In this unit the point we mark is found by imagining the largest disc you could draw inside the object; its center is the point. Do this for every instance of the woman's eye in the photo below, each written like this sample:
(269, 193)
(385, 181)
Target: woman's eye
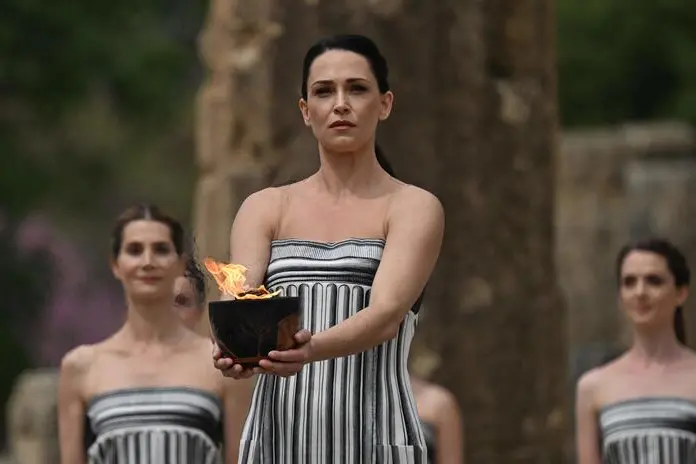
(162, 249)
(134, 249)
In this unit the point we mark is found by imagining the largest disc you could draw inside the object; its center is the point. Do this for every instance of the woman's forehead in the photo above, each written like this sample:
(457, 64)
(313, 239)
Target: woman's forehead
(145, 230)
(340, 65)
(644, 262)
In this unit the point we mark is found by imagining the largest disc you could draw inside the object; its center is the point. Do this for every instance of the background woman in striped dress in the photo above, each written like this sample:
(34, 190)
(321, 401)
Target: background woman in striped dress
(358, 246)
(142, 396)
(641, 408)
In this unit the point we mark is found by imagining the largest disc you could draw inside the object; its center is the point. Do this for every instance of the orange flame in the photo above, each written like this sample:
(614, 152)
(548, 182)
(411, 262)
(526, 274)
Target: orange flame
(231, 280)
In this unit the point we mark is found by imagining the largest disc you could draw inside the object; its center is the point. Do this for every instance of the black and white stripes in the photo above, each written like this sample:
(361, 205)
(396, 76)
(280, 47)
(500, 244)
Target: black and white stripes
(353, 410)
(649, 431)
(154, 426)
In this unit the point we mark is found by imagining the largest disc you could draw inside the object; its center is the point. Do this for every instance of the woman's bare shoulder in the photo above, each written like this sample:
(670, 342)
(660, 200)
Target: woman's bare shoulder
(414, 209)
(416, 199)
(200, 349)
(595, 382)
(266, 197)
(442, 398)
(78, 360)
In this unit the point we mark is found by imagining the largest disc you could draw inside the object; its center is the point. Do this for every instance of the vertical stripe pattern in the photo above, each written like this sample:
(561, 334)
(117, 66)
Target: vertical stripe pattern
(649, 431)
(357, 409)
(158, 425)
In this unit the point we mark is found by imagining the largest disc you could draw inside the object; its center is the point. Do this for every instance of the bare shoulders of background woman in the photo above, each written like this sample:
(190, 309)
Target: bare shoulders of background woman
(76, 362)
(617, 380)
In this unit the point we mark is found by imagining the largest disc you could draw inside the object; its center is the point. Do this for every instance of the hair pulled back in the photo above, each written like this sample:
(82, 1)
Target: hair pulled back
(676, 263)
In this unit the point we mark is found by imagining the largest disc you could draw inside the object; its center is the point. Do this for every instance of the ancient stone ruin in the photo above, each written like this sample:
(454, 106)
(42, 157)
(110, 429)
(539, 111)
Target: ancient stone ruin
(481, 132)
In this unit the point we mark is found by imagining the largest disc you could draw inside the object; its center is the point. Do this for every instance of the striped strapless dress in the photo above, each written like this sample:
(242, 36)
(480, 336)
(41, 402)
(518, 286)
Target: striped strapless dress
(659, 430)
(356, 409)
(159, 425)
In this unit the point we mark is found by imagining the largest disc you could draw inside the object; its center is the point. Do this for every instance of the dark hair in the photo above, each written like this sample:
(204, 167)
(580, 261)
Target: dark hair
(676, 263)
(148, 213)
(195, 275)
(353, 43)
(363, 46)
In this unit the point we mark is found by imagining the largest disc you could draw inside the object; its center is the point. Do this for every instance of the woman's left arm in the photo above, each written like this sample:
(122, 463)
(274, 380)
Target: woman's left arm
(415, 227)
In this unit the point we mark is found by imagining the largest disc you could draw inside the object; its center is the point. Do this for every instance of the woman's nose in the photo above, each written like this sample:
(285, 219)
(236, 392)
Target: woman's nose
(341, 106)
(147, 258)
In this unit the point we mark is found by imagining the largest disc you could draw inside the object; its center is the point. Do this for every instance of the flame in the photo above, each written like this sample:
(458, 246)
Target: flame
(231, 280)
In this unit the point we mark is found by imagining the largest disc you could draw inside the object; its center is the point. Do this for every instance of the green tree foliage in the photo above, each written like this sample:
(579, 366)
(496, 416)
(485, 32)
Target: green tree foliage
(88, 89)
(625, 60)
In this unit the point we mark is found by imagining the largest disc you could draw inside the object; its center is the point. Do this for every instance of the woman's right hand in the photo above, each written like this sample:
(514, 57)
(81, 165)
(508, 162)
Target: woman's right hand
(228, 367)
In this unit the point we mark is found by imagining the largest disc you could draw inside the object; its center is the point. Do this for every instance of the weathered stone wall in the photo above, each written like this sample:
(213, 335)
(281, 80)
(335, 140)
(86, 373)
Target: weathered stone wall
(617, 184)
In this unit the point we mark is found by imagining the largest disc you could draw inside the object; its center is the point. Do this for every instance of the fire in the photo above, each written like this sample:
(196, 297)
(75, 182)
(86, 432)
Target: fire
(231, 279)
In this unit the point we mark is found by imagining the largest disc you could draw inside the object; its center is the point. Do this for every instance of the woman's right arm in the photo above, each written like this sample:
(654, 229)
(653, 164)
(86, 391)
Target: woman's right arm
(586, 431)
(71, 405)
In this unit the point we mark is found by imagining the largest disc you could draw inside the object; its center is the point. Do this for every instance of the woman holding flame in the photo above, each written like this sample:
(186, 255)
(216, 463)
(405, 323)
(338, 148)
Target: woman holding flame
(358, 246)
(142, 396)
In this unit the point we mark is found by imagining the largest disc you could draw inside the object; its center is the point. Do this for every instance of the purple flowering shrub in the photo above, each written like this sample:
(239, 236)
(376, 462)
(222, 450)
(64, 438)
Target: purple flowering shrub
(78, 308)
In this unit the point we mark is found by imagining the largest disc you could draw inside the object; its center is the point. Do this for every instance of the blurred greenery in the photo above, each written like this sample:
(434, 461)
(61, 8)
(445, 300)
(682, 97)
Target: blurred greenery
(623, 60)
(88, 91)
(23, 295)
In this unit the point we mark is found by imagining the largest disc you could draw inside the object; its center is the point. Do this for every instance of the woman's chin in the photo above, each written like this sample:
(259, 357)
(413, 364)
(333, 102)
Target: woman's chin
(149, 294)
(646, 320)
(342, 144)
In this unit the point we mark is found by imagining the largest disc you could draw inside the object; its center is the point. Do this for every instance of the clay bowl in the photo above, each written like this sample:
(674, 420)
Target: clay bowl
(247, 330)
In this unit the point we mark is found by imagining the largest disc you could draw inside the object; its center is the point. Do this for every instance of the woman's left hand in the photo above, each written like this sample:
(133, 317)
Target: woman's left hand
(289, 362)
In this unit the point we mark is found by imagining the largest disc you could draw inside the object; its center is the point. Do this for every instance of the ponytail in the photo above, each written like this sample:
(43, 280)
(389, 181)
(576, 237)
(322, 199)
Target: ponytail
(383, 161)
(679, 328)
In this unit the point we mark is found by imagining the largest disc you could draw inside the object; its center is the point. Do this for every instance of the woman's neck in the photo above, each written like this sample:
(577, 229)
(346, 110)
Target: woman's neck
(152, 322)
(656, 347)
(348, 173)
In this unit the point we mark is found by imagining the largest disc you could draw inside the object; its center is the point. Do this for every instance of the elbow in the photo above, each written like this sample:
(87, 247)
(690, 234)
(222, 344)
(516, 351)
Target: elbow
(388, 331)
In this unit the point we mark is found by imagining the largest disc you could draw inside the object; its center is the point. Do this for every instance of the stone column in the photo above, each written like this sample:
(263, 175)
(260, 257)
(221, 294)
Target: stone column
(496, 331)
(235, 142)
